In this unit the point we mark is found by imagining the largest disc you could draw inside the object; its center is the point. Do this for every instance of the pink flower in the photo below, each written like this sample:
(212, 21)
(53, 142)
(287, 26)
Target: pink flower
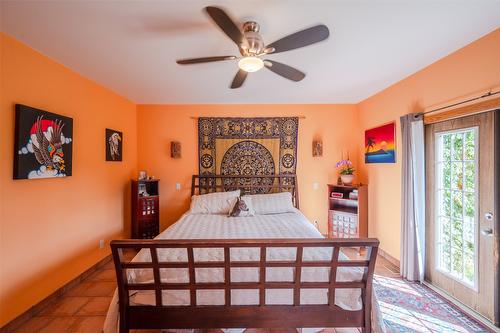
(342, 163)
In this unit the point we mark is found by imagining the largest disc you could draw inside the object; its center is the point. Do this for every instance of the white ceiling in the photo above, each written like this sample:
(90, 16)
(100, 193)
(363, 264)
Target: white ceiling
(131, 46)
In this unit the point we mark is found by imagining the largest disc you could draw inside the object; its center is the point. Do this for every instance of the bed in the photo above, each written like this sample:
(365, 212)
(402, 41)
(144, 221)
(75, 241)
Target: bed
(264, 271)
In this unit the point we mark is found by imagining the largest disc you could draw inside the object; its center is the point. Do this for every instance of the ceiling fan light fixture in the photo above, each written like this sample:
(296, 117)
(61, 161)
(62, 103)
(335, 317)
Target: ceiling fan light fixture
(250, 64)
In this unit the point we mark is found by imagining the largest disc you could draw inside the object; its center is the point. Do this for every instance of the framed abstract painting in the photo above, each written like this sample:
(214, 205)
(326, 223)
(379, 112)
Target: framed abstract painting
(114, 143)
(43, 145)
(380, 144)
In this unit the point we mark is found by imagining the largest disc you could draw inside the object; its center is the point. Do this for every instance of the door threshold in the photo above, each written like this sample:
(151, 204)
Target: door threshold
(463, 307)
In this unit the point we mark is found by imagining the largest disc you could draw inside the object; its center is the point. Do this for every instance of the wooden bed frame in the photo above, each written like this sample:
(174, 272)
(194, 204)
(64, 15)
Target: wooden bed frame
(295, 315)
(247, 185)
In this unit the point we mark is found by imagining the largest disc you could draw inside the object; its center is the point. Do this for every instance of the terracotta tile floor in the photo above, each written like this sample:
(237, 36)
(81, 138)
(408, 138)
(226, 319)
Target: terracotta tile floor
(83, 308)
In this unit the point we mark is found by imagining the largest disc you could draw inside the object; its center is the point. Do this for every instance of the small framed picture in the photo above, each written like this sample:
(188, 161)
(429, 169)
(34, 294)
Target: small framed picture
(317, 148)
(175, 149)
(114, 143)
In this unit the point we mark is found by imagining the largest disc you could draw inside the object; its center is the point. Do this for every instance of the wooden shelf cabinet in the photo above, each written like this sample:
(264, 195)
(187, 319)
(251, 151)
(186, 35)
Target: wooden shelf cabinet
(347, 213)
(145, 209)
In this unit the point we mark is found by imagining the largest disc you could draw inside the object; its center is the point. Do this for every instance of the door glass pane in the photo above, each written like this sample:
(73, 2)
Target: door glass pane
(458, 146)
(470, 175)
(456, 207)
(469, 146)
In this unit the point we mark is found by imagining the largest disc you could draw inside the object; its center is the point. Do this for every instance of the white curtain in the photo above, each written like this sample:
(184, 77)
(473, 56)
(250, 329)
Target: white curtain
(413, 198)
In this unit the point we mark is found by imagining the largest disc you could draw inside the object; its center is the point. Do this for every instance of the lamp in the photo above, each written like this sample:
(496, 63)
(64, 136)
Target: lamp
(250, 64)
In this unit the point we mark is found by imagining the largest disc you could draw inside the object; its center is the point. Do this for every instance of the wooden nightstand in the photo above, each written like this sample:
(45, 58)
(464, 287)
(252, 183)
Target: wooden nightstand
(145, 209)
(347, 211)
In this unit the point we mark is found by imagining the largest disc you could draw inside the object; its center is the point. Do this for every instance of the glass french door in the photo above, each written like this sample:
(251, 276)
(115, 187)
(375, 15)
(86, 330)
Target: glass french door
(456, 171)
(459, 210)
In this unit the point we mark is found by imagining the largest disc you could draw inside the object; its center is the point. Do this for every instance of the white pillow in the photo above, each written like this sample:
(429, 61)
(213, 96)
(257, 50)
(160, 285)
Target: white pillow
(214, 203)
(242, 208)
(274, 203)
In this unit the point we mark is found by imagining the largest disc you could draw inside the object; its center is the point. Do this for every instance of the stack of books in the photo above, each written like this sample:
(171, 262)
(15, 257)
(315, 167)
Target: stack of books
(337, 195)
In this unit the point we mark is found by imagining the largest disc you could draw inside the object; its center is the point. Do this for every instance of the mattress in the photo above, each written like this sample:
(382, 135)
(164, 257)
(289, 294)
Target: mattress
(204, 226)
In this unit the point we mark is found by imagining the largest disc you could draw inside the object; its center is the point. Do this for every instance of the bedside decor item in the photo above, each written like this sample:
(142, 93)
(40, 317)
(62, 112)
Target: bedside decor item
(175, 149)
(347, 211)
(145, 209)
(143, 175)
(317, 148)
(380, 144)
(354, 195)
(43, 144)
(337, 194)
(242, 207)
(346, 171)
(114, 142)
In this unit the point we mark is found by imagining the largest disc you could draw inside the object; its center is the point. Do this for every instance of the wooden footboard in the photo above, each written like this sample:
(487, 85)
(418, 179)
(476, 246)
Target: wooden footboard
(261, 315)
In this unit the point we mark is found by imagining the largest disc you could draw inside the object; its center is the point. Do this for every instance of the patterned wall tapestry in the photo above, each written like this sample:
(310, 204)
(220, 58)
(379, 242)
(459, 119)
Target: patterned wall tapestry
(248, 146)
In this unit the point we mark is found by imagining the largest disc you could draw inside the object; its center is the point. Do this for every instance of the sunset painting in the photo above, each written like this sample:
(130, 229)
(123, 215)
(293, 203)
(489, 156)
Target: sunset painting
(380, 146)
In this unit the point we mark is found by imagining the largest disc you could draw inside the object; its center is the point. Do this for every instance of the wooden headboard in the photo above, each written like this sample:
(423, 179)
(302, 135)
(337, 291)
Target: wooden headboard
(255, 184)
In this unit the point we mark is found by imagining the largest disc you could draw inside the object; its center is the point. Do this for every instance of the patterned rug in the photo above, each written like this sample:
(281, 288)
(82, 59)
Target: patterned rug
(412, 307)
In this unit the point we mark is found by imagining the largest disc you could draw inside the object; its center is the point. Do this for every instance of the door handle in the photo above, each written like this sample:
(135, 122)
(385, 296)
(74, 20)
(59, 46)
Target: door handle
(487, 231)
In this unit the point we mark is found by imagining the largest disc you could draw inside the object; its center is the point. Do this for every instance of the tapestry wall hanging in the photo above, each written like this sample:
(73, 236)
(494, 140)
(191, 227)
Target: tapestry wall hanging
(43, 144)
(248, 147)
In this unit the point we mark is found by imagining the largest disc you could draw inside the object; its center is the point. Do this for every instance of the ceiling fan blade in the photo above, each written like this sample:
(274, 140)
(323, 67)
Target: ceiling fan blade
(300, 39)
(239, 79)
(284, 70)
(202, 60)
(226, 24)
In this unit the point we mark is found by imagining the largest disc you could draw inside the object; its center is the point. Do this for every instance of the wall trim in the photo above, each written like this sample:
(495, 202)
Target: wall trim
(388, 257)
(52, 298)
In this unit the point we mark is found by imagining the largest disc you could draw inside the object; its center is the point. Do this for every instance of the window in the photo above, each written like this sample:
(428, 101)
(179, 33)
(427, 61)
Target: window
(456, 207)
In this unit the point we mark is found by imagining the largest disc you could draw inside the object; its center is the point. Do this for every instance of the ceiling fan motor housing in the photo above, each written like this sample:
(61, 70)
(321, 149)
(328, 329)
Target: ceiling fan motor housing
(255, 44)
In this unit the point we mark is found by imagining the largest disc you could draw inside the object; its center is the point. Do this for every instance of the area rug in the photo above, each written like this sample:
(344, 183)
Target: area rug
(412, 307)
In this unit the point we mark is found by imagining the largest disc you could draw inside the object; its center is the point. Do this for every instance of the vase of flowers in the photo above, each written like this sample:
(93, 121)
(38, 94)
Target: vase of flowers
(346, 171)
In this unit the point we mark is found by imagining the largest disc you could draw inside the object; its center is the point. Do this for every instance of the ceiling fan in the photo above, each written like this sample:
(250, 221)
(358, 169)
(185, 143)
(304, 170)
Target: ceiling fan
(252, 47)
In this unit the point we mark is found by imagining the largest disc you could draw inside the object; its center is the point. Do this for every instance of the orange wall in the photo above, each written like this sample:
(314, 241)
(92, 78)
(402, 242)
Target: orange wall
(160, 124)
(50, 228)
(471, 70)
(61, 220)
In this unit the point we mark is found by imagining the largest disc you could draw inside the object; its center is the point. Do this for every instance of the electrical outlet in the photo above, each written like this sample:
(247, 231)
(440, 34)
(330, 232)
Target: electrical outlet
(177, 186)
(101, 243)
(315, 186)
(316, 224)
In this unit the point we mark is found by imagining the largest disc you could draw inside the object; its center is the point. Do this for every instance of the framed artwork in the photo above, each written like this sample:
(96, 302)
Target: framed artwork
(114, 143)
(175, 149)
(380, 144)
(43, 144)
(317, 148)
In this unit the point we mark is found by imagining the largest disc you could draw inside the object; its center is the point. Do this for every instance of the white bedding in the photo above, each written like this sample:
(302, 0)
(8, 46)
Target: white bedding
(287, 225)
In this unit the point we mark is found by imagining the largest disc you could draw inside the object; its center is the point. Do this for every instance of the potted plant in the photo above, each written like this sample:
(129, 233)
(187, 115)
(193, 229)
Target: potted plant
(346, 171)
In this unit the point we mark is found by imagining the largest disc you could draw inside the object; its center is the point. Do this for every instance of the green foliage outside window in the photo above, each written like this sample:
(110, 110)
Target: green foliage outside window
(457, 203)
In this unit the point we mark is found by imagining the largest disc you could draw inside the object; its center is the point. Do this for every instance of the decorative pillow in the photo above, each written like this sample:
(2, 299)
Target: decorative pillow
(274, 203)
(242, 207)
(214, 203)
